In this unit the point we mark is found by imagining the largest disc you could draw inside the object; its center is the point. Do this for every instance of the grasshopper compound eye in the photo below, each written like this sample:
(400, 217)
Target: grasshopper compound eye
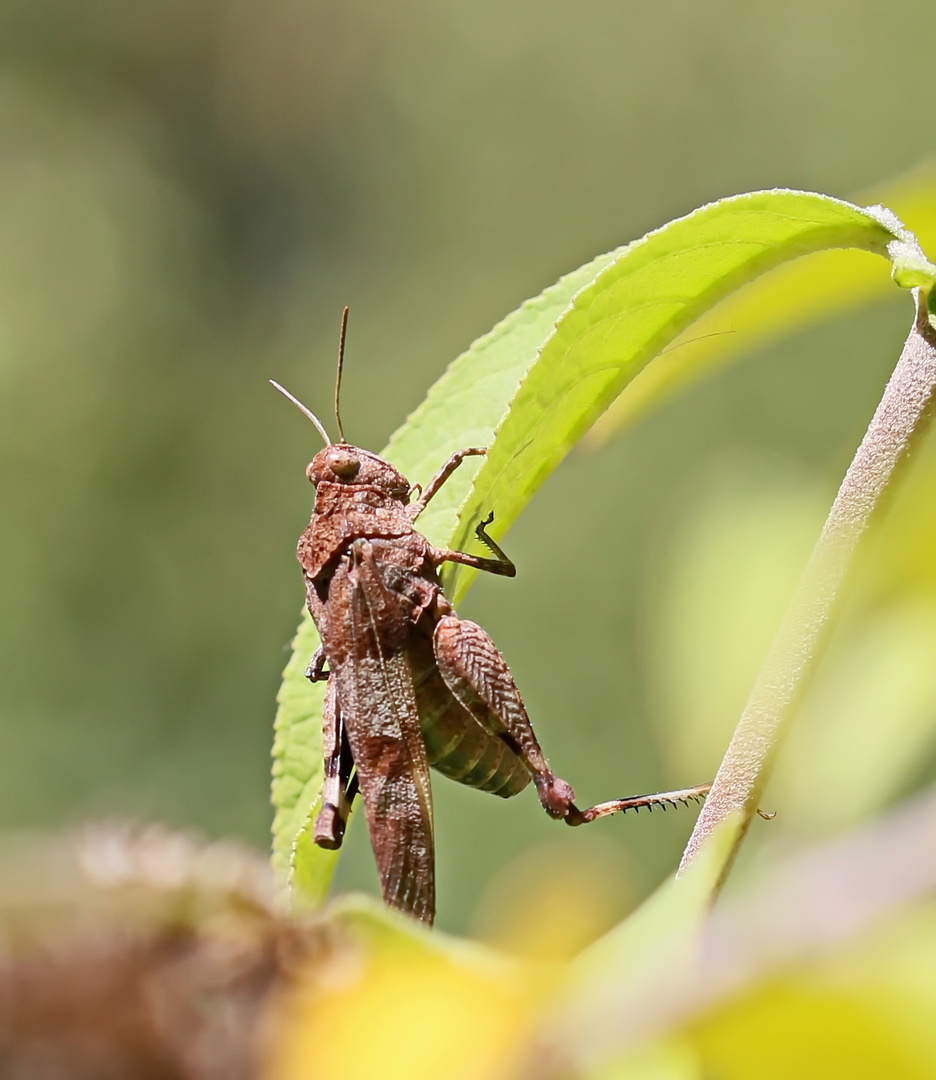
(343, 462)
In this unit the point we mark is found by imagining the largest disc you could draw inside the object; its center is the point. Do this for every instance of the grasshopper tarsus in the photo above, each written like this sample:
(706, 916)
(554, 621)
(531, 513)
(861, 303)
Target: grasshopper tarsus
(508, 568)
(482, 535)
(637, 803)
(329, 828)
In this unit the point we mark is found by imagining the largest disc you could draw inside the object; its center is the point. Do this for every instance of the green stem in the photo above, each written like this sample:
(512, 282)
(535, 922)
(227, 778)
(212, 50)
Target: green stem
(901, 416)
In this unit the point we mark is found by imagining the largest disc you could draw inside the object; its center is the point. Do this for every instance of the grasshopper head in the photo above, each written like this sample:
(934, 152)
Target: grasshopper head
(342, 463)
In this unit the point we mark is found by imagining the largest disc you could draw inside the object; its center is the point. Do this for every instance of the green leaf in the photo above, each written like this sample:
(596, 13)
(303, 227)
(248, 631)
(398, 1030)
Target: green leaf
(462, 409)
(297, 755)
(632, 310)
(310, 867)
(532, 386)
(466, 406)
(824, 285)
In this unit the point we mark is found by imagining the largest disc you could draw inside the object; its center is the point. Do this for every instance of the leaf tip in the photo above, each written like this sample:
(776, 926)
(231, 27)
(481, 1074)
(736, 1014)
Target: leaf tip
(911, 268)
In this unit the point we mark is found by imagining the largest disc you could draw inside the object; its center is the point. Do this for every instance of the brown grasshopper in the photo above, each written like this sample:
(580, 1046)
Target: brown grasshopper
(410, 684)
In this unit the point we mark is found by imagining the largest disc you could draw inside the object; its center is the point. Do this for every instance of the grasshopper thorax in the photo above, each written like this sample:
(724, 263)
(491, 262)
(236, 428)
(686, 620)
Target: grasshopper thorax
(342, 463)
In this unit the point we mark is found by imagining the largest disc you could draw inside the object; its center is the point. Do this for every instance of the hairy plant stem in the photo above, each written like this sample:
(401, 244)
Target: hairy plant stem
(900, 418)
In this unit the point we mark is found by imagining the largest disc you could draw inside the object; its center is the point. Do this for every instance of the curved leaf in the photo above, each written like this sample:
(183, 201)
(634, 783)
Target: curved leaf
(532, 386)
(636, 306)
(825, 285)
(461, 409)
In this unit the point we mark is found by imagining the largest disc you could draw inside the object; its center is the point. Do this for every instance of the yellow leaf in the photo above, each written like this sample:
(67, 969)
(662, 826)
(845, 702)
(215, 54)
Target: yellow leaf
(392, 1002)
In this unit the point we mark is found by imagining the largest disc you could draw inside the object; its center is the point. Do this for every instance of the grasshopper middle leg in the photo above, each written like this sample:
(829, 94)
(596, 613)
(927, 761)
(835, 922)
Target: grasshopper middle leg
(315, 672)
(500, 565)
(340, 784)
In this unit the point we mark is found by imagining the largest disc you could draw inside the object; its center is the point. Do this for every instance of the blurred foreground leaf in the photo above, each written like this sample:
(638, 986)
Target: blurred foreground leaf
(401, 1004)
(661, 937)
(822, 970)
(143, 953)
(532, 386)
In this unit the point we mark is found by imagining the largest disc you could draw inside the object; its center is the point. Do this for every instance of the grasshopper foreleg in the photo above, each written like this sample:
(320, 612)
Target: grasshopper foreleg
(441, 476)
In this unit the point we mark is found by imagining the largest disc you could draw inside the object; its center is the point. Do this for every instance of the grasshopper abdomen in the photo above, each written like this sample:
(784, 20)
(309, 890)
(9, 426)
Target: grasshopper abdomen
(459, 747)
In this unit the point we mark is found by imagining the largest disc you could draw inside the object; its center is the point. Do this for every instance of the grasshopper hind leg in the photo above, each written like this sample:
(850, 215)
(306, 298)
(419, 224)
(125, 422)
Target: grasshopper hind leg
(478, 676)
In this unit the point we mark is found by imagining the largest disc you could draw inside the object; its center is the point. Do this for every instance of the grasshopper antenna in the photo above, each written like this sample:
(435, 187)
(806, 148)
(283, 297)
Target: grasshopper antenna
(320, 427)
(341, 341)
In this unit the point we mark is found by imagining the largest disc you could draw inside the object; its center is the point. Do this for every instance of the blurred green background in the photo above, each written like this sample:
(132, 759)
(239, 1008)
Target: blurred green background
(188, 194)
